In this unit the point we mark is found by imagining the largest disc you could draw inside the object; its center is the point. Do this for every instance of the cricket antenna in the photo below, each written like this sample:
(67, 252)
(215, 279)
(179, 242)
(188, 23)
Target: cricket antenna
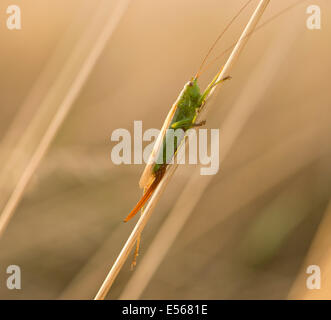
(257, 28)
(219, 37)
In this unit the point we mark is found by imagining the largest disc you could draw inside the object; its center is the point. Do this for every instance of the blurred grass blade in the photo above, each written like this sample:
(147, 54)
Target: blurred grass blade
(65, 90)
(318, 255)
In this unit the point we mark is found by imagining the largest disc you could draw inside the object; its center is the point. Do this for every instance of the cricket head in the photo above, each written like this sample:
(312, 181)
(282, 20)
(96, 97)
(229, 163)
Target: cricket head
(193, 89)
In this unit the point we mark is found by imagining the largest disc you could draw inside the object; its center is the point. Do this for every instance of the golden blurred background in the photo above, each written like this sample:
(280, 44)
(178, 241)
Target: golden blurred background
(256, 225)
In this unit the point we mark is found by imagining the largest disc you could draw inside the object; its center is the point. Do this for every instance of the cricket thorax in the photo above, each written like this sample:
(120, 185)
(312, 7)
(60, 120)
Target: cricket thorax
(191, 95)
(188, 102)
(183, 119)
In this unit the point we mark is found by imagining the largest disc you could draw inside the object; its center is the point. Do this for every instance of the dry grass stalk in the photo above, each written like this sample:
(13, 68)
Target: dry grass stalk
(105, 287)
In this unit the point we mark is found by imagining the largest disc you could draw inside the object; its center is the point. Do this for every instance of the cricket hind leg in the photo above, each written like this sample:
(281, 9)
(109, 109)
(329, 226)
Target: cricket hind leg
(159, 176)
(136, 251)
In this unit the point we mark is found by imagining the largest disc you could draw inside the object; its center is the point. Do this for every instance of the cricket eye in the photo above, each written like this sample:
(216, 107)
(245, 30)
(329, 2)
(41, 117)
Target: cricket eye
(190, 84)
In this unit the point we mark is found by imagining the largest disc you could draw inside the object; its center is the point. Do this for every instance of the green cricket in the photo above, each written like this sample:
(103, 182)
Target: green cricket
(182, 115)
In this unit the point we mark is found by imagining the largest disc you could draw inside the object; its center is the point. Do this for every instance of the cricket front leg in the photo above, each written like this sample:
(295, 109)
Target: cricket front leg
(220, 81)
(199, 124)
(213, 84)
(187, 123)
(182, 124)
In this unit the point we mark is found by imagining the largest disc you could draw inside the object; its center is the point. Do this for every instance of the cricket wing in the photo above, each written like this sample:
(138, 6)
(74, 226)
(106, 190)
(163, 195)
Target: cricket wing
(142, 201)
(147, 176)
